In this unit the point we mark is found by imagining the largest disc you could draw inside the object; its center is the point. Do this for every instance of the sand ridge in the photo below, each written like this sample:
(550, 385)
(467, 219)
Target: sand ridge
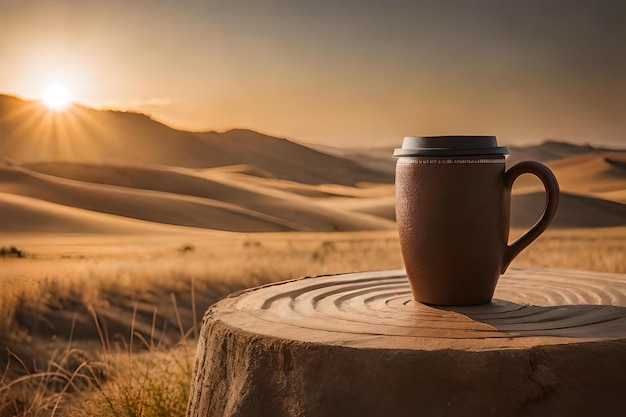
(127, 165)
(243, 198)
(163, 196)
(28, 133)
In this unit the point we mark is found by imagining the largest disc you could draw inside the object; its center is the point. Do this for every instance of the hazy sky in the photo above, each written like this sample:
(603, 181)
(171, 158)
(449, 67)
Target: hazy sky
(333, 71)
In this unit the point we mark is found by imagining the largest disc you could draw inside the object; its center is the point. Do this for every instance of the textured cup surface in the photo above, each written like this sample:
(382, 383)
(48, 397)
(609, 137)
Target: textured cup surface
(453, 199)
(453, 224)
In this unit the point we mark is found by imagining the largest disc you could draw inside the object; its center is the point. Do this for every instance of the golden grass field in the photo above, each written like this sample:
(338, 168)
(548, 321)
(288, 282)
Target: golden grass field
(112, 319)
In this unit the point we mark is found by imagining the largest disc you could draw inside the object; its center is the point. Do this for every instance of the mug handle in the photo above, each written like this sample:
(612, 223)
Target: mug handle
(552, 203)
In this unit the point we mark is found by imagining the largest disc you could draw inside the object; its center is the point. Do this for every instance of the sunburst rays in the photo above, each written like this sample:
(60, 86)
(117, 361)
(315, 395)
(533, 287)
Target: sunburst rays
(40, 133)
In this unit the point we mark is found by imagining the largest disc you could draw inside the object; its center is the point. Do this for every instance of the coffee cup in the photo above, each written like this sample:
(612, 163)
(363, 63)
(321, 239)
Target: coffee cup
(453, 200)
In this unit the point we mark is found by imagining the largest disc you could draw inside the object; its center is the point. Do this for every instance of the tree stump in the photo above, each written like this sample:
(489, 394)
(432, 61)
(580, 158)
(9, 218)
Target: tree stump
(553, 342)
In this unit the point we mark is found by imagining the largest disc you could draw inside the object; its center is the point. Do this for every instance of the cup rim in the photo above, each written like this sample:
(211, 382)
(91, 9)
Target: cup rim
(451, 145)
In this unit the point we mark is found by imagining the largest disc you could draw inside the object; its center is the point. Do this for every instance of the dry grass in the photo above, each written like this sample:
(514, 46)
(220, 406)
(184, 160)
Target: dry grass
(151, 384)
(101, 328)
(602, 250)
(97, 279)
(101, 299)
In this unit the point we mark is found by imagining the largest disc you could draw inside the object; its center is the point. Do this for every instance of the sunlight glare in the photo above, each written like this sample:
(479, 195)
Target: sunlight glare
(57, 98)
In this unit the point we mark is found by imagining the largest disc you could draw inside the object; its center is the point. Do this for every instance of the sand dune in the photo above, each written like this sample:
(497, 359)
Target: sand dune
(549, 152)
(25, 214)
(382, 207)
(232, 185)
(29, 133)
(172, 198)
(593, 191)
(234, 200)
(127, 165)
(594, 174)
(552, 151)
(601, 175)
(574, 211)
(286, 159)
(139, 204)
(618, 196)
(380, 158)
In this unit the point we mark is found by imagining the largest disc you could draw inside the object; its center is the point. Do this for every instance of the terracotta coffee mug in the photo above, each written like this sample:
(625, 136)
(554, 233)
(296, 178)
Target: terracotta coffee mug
(453, 201)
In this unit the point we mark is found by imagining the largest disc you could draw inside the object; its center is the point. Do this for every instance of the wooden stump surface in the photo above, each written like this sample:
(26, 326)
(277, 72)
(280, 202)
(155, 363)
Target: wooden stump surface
(324, 345)
(375, 309)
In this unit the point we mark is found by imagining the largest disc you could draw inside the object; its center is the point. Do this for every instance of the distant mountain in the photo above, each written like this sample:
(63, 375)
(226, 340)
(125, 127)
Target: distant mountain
(551, 150)
(30, 133)
(381, 159)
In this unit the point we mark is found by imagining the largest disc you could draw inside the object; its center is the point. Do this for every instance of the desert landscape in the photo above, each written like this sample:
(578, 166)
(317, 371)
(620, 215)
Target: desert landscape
(118, 232)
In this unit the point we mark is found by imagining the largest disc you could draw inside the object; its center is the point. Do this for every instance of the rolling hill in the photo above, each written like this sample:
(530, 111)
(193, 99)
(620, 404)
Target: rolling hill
(30, 133)
(167, 197)
(93, 171)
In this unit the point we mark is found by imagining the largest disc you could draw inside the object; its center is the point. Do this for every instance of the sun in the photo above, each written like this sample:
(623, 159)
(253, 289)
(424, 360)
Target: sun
(57, 98)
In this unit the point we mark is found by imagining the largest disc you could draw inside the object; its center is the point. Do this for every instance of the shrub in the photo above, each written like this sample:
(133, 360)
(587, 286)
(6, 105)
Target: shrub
(11, 252)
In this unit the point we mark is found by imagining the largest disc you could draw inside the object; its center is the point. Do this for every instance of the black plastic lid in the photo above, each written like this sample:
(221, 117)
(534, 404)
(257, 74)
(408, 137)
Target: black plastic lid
(450, 146)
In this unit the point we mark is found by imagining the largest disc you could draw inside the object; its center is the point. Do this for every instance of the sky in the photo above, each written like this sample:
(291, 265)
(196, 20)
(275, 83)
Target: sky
(334, 72)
